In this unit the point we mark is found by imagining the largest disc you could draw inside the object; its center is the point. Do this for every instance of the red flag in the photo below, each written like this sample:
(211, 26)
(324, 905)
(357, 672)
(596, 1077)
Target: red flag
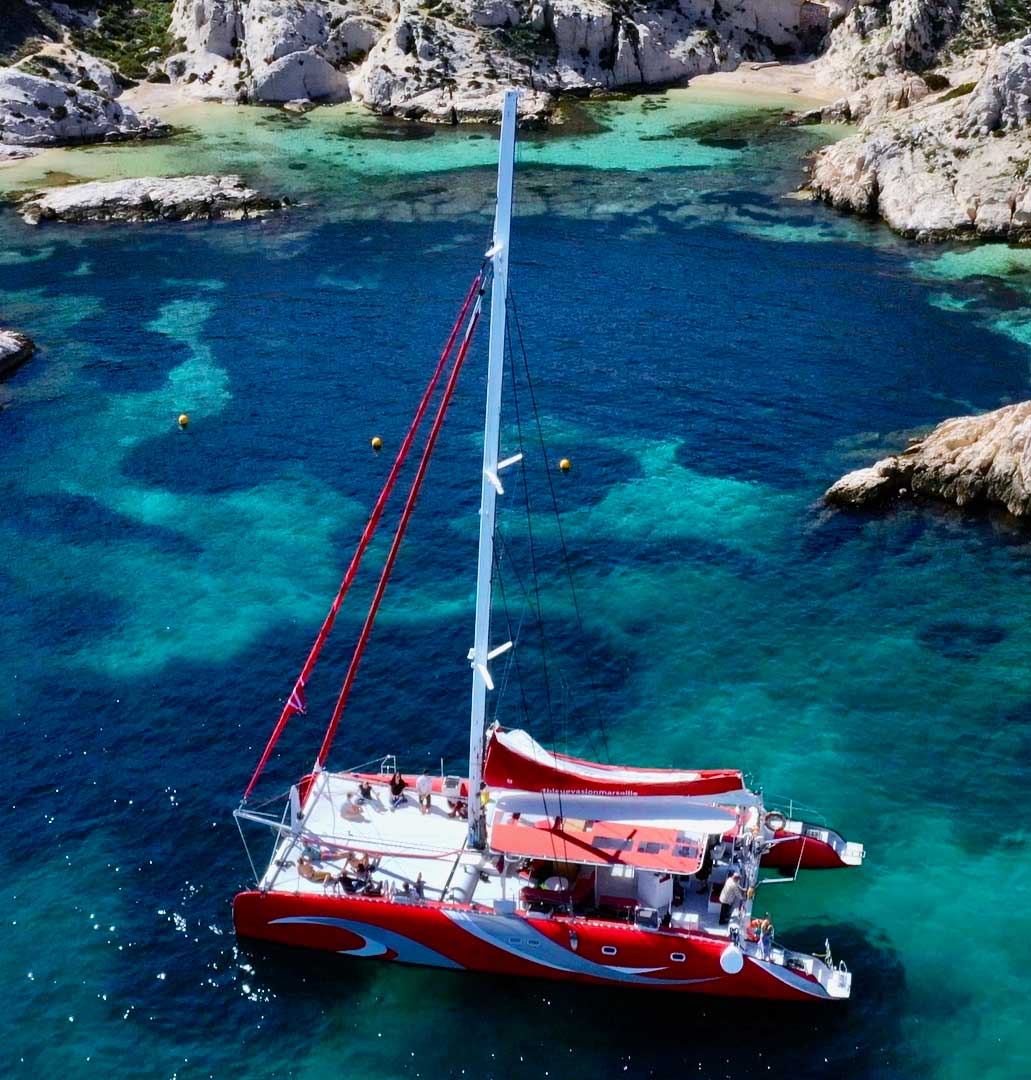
(296, 699)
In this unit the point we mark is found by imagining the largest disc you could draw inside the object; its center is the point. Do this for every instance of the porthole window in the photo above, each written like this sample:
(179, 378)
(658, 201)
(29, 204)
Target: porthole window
(609, 950)
(533, 942)
(677, 957)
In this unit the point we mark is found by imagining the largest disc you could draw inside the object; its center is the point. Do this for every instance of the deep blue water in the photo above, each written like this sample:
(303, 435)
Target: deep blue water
(711, 357)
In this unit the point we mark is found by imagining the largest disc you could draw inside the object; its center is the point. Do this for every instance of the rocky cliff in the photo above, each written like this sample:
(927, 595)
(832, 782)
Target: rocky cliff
(451, 59)
(970, 460)
(36, 111)
(953, 163)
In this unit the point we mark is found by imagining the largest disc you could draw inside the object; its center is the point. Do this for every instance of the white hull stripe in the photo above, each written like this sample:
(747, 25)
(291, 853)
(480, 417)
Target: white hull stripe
(378, 941)
(512, 935)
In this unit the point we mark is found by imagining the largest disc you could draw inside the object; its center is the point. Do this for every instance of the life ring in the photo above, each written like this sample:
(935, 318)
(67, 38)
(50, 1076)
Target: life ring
(775, 821)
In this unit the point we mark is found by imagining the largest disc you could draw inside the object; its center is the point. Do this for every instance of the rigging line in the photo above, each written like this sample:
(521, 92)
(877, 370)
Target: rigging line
(399, 533)
(599, 715)
(536, 580)
(295, 702)
(535, 606)
(514, 652)
(529, 526)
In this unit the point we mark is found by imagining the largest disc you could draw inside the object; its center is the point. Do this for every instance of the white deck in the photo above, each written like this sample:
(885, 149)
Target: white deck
(406, 842)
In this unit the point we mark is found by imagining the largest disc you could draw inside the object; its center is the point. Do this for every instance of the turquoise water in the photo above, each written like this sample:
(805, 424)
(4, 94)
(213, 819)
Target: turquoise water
(710, 355)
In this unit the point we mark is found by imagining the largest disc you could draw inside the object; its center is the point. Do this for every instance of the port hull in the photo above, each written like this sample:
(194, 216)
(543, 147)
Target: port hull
(572, 949)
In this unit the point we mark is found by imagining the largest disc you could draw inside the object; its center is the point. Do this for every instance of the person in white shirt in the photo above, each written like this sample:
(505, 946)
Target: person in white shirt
(423, 788)
(731, 896)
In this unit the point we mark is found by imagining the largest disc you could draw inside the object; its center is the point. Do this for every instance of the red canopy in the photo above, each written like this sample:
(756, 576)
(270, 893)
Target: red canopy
(598, 843)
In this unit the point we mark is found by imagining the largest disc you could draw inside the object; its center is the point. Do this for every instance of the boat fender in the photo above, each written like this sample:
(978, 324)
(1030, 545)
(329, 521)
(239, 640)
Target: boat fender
(775, 821)
(732, 960)
(574, 940)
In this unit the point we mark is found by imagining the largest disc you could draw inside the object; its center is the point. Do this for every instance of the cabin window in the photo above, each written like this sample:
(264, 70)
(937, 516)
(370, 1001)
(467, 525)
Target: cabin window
(612, 843)
(533, 942)
(677, 957)
(651, 847)
(609, 950)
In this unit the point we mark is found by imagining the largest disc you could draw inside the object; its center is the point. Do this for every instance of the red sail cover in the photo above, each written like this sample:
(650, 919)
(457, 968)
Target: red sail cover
(514, 760)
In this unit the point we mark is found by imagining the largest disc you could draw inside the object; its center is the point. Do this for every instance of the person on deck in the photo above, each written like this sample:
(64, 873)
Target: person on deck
(731, 896)
(364, 792)
(423, 788)
(351, 811)
(397, 791)
(311, 873)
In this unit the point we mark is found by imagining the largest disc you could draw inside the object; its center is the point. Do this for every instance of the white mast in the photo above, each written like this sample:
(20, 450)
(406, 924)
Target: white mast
(490, 485)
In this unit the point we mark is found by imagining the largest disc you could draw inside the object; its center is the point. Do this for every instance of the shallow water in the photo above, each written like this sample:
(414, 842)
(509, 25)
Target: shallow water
(711, 355)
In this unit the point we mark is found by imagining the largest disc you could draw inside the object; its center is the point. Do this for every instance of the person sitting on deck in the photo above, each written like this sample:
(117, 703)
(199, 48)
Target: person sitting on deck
(423, 788)
(310, 873)
(351, 811)
(364, 792)
(456, 807)
(397, 791)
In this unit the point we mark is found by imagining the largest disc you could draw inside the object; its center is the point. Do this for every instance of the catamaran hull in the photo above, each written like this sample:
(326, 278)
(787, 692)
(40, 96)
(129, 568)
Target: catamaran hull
(466, 939)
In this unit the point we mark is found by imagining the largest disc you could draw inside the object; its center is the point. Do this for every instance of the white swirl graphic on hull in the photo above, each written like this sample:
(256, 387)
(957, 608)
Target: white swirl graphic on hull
(510, 934)
(408, 951)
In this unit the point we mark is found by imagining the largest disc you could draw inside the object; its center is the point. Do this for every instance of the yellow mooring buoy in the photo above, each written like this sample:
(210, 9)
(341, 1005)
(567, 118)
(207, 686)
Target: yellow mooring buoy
(565, 464)
(184, 419)
(376, 442)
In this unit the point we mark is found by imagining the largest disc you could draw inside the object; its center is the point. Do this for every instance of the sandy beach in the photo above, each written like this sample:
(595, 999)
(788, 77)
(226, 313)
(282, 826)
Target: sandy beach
(767, 81)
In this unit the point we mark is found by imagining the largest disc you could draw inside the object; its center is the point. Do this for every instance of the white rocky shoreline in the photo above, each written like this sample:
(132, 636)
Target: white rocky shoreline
(968, 461)
(144, 199)
(948, 165)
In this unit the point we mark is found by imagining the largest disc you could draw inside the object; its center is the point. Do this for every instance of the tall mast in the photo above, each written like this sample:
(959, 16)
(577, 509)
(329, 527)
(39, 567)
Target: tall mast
(490, 485)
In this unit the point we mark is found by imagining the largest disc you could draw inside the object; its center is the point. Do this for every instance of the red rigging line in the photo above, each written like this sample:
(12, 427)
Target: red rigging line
(402, 525)
(295, 702)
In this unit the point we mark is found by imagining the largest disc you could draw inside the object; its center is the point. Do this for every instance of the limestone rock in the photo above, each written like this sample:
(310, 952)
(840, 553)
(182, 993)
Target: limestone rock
(928, 170)
(970, 460)
(452, 60)
(64, 64)
(39, 112)
(1001, 101)
(15, 349)
(184, 198)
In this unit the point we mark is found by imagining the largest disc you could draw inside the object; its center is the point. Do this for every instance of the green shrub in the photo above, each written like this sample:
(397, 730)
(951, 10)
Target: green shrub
(958, 91)
(125, 39)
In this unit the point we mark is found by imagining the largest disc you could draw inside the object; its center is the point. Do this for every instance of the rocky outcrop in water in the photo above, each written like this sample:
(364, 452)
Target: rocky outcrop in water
(451, 59)
(956, 164)
(35, 111)
(970, 460)
(15, 349)
(184, 198)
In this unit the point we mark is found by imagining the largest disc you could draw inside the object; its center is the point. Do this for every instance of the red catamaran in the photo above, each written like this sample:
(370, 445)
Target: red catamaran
(535, 863)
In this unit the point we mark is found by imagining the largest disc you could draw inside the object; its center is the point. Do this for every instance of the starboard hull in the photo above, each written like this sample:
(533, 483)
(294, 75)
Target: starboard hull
(464, 938)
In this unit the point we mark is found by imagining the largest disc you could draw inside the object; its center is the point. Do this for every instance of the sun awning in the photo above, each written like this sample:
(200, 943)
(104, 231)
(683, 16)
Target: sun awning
(675, 850)
(684, 813)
